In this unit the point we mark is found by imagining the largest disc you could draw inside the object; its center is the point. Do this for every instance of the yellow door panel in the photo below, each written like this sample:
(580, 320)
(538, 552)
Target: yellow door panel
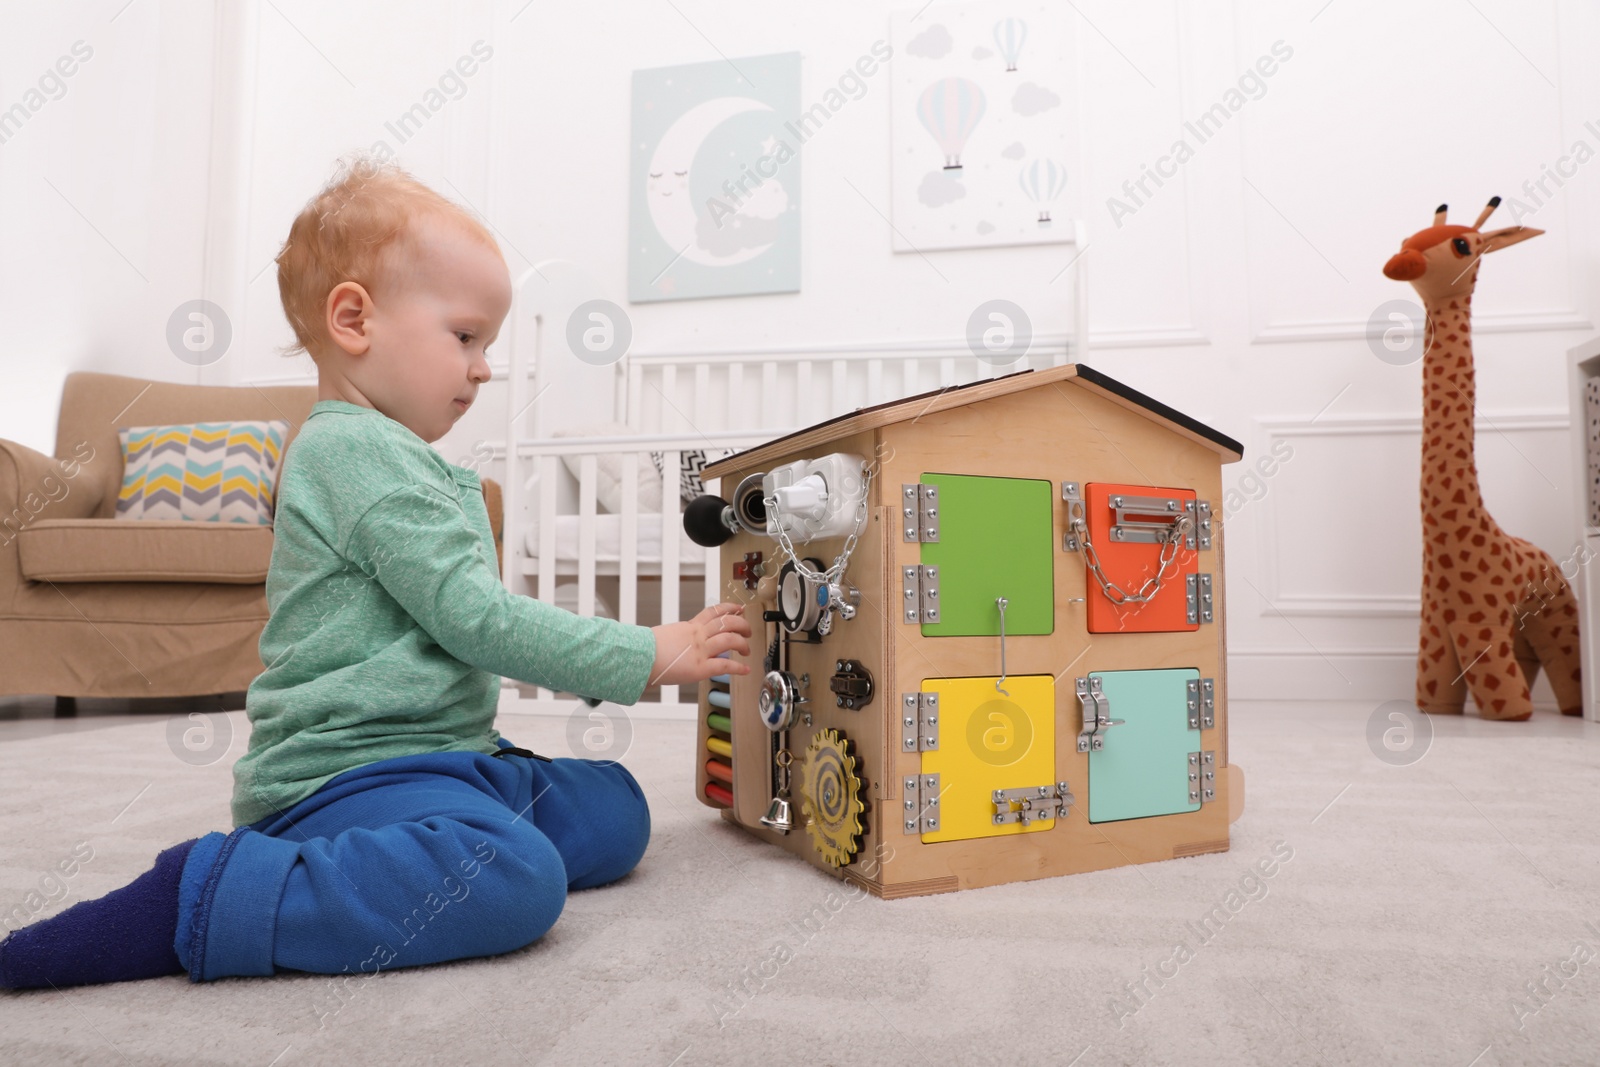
(988, 741)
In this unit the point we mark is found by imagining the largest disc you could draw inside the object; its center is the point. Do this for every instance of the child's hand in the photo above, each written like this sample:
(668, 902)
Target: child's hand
(688, 651)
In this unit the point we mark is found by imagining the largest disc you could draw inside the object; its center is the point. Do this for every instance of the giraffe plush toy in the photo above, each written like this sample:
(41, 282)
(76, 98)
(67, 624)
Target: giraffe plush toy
(1494, 607)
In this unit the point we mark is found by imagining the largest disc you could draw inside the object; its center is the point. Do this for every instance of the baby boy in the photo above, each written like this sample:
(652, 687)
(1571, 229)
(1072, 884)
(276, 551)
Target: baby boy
(380, 819)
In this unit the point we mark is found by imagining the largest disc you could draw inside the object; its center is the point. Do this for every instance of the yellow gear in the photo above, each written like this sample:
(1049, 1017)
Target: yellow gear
(830, 793)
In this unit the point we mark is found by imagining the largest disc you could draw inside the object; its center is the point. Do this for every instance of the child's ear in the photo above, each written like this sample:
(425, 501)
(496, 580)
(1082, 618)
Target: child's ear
(348, 308)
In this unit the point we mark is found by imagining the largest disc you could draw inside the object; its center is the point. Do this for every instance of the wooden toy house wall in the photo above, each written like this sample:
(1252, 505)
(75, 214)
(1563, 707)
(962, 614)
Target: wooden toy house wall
(999, 453)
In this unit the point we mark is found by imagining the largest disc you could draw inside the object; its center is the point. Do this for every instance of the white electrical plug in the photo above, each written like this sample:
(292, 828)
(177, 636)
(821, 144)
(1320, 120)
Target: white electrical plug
(815, 498)
(807, 498)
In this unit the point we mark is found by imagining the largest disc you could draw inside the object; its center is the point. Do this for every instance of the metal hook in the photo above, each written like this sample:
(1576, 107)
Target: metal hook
(1000, 681)
(779, 814)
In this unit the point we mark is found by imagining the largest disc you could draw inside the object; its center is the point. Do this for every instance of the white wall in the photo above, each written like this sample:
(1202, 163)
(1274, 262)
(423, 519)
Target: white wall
(1239, 293)
(103, 194)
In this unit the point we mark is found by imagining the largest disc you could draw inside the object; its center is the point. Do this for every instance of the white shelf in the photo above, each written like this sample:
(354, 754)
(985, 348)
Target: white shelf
(1584, 364)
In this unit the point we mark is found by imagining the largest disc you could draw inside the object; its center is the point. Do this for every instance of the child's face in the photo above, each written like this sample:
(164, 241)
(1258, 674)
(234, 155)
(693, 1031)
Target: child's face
(429, 325)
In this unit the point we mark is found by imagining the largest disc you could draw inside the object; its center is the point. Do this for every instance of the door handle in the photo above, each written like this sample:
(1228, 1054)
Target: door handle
(1000, 682)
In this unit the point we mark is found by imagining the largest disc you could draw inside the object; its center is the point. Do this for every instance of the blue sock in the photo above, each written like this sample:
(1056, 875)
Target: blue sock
(120, 937)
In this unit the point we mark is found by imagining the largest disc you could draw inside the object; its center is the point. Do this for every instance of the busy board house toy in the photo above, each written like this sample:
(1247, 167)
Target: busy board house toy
(988, 636)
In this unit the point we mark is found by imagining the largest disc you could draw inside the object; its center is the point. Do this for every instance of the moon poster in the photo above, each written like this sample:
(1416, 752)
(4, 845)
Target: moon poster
(715, 195)
(984, 126)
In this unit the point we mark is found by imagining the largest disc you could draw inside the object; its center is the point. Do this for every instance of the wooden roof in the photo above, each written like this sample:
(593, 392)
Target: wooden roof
(911, 407)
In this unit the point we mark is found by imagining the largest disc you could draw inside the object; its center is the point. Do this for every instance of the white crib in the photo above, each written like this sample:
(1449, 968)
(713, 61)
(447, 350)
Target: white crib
(562, 547)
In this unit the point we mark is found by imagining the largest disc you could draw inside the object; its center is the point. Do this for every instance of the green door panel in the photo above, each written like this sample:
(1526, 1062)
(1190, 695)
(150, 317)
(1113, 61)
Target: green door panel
(1143, 768)
(995, 539)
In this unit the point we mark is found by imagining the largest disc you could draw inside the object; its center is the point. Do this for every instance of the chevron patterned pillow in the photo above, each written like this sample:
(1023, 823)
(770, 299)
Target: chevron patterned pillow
(201, 471)
(691, 461)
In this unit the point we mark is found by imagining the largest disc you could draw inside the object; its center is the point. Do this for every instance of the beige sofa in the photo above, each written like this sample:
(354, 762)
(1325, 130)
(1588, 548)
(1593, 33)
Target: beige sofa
(96, 607)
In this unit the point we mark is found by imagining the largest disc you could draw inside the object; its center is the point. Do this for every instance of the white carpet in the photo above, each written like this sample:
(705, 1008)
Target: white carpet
(1418, 903)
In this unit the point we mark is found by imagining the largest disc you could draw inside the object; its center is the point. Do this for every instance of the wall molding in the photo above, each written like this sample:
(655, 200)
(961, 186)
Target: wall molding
(224, 269)
(1159, 337)
(1565, 213)
(1376, 425)
(1046, 345)
(1340, 605)
(1345, 330)
(1376, 675)
(1337, 606)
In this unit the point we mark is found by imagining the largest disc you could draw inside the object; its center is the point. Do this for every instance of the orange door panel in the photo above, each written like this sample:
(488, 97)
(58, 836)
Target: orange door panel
(1129, 557)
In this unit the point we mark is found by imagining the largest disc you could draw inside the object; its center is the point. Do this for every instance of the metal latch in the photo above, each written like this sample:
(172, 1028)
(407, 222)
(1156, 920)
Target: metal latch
(1197, 591)
(1072, 493)
(919, 511)
(920, 582)
(1032, 802)
(852, 685)
(1127, 531)
(1096, 714)
(919, 722)
(1202, 776)
(921, 814)
(1202, 701)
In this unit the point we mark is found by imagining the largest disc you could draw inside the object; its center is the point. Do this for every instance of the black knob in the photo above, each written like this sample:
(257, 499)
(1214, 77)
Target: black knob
(703, 521)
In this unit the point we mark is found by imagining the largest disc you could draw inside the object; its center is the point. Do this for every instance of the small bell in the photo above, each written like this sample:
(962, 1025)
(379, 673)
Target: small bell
(778, 816)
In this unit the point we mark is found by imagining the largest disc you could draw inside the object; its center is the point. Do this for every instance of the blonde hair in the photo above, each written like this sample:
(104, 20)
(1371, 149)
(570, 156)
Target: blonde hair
(347, 233)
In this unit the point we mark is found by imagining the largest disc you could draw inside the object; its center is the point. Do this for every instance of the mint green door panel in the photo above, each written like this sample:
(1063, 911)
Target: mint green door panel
(1143, 768)
(995, 540)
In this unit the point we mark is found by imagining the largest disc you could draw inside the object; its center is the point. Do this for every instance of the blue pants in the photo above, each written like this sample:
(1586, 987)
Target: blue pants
(406, 861)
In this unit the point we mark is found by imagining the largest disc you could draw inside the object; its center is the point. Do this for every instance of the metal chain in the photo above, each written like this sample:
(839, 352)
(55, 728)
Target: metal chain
(835, 572)
(1115, 593)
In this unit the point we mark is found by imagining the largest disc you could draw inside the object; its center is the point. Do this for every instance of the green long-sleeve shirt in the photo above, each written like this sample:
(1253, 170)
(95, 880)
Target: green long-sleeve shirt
(389, 625)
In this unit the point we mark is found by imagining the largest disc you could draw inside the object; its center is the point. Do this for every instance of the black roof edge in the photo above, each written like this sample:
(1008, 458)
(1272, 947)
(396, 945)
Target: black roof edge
(1087, 373)
(1156, 407)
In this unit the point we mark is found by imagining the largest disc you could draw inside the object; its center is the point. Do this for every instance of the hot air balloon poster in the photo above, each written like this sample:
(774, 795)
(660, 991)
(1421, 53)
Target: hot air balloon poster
(984, 133)
(715, 190)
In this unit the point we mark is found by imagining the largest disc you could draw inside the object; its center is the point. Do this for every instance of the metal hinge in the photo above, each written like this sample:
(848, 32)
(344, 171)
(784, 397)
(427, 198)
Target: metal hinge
(920, 583)
(1032, 802)
(1202, 776)
(1197, 589)
(921, 805)
(919, 722)
(1200, 512)
(1096, 713)
(919, 511)
(1202, 700)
